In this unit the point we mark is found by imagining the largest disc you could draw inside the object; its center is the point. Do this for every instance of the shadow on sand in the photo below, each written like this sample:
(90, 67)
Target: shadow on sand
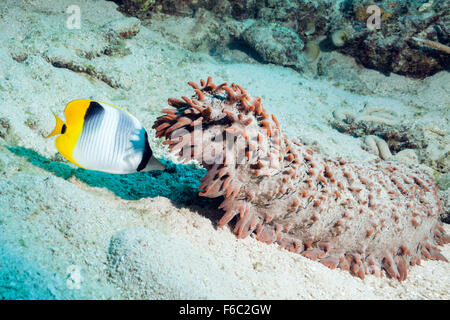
(178, 182)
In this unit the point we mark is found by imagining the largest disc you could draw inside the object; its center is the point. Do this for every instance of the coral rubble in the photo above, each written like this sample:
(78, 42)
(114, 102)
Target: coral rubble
(391, 47)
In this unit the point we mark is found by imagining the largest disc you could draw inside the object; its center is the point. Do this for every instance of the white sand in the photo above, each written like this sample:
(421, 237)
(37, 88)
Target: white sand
(53, 217)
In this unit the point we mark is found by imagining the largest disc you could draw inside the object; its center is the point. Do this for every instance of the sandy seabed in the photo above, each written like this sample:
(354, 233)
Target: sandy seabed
(72, 233)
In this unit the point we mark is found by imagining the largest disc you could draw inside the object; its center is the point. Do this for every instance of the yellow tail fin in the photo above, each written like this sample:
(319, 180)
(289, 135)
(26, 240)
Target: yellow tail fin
(58, 127)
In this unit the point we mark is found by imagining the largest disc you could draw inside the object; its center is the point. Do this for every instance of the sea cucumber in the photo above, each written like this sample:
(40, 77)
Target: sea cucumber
(359, 217)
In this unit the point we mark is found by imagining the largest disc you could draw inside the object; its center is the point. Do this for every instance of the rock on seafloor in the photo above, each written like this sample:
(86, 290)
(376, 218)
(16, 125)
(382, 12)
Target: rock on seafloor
(276, 44)
(388, 48)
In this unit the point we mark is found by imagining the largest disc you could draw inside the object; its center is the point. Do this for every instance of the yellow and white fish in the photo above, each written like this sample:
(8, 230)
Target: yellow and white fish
(100, 136)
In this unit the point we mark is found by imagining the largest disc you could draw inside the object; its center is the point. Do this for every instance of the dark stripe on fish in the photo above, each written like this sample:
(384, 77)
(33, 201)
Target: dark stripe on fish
(146, 156)
(93, 110)
(63, 129)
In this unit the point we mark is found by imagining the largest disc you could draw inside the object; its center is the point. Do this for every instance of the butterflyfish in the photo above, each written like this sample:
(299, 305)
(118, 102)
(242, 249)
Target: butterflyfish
(100, 136)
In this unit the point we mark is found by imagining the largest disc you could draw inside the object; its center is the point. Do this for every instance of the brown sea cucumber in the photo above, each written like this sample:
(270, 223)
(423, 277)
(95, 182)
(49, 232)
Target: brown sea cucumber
(360, 217)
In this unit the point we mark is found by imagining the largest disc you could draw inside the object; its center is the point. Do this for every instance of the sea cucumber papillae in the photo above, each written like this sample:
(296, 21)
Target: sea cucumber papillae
(358, 217)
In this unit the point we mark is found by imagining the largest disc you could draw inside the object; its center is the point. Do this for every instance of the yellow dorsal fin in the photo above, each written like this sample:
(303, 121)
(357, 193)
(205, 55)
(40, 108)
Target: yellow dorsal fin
(58, 127)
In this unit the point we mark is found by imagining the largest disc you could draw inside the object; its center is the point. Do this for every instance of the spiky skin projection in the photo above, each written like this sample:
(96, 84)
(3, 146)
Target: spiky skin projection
(362, 218)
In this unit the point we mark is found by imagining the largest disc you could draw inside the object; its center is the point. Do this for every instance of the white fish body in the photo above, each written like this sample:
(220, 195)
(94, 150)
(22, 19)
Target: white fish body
(105, 138)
